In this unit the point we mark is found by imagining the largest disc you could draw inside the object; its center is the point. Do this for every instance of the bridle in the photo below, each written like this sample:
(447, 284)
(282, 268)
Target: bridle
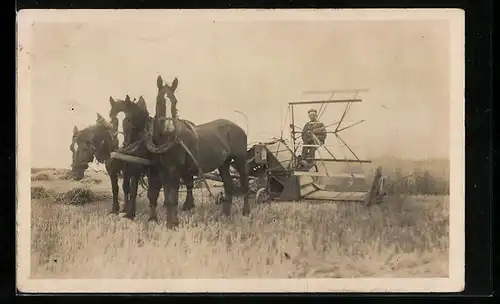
(97, 150)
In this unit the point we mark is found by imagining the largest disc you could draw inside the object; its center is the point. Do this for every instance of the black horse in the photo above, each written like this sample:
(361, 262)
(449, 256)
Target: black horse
(136, 125)
(98, 141)
(182, 148)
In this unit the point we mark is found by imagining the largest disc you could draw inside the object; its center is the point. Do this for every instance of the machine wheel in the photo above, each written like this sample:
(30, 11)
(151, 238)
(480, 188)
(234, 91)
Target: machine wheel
(262, 196)
(253, 185)
(219, 198)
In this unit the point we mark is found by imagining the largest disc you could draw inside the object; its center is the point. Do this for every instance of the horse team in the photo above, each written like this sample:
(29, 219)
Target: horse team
(175, 148)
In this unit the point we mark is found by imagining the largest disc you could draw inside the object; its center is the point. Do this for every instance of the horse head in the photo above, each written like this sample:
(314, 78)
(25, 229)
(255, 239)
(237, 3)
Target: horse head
(136, 117)
(166, 91)
(89, 143)
(117, 106)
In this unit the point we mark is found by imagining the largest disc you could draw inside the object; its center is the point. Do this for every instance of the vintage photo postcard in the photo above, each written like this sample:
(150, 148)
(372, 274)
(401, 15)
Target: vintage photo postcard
(240, 150)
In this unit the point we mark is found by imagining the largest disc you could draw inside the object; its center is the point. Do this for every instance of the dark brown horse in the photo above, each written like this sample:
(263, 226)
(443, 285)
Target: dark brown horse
(183, 148)
(135, 128)
(97, 141)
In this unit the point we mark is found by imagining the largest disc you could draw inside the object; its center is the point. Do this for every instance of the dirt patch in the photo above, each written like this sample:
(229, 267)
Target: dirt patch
(91, 180)
(88, 179)
(41, 177)
(38, 170)
(65, 176)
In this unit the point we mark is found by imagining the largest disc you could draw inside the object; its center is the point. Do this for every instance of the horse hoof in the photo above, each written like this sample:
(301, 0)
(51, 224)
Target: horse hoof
(129, 217)
(153, 219)
(187, 207)
(172, 226)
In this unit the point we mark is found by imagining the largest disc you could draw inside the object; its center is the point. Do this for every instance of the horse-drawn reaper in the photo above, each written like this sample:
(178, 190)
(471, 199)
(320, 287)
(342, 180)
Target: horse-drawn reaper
(177, 149)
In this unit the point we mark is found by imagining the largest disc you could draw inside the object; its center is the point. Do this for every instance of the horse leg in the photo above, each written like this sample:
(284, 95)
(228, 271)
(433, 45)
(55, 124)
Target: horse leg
(241, 166)
(228, 187)
(113, 168)
(154, 187)
(189, 182)
(135, 175)
(126, 187)
(171, 183)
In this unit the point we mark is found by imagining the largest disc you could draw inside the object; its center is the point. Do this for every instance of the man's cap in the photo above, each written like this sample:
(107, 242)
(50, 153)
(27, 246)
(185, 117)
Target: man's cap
(312, 110)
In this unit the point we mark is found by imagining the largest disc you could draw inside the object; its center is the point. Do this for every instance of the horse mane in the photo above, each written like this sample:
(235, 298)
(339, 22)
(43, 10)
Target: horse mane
(89, 130)
(95, 131)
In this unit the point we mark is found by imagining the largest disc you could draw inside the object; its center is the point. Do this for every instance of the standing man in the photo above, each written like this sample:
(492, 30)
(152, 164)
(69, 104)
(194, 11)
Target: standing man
(313, 128)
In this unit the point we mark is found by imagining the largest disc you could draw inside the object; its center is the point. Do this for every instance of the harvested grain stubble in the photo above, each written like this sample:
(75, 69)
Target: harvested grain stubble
(404, 237)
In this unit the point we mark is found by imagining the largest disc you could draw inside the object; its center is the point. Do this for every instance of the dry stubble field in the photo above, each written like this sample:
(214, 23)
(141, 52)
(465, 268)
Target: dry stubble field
(73, 237)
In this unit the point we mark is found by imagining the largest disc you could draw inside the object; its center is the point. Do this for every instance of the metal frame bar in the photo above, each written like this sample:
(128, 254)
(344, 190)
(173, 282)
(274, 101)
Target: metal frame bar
(324, 101)
(338, 128)
(342, 140)
(336, 91)
(344, 160)
(347, 107)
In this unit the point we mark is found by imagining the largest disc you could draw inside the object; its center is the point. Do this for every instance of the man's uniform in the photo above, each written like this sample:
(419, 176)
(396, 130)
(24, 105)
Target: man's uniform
(312, 127)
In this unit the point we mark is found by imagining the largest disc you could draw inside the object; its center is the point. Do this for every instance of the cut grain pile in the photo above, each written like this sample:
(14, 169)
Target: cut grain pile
(75, 196)
(58, 186)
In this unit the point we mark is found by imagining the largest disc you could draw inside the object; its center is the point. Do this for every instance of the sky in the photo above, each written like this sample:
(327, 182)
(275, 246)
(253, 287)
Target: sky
(254, 67)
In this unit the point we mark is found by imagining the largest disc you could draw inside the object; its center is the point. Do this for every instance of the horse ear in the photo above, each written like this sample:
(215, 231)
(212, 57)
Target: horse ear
(142, 103)
(159, 82)
(174, 84)
(111, 101)
(75, 130)
(99, 118)
(127, 98)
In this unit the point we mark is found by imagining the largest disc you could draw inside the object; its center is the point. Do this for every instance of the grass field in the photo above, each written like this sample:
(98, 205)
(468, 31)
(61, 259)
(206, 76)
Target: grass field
(73, 237)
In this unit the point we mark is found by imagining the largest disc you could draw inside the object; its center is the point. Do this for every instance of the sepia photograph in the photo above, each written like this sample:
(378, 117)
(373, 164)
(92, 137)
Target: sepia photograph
(240, 150)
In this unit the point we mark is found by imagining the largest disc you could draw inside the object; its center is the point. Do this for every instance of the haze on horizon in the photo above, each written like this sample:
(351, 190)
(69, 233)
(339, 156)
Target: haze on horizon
(252, 67)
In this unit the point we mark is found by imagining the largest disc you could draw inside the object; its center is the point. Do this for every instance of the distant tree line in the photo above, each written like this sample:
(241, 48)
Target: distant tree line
(419, 182)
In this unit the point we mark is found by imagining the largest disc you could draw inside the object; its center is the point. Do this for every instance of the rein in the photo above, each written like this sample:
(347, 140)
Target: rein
(200, 171)
(98, 150)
